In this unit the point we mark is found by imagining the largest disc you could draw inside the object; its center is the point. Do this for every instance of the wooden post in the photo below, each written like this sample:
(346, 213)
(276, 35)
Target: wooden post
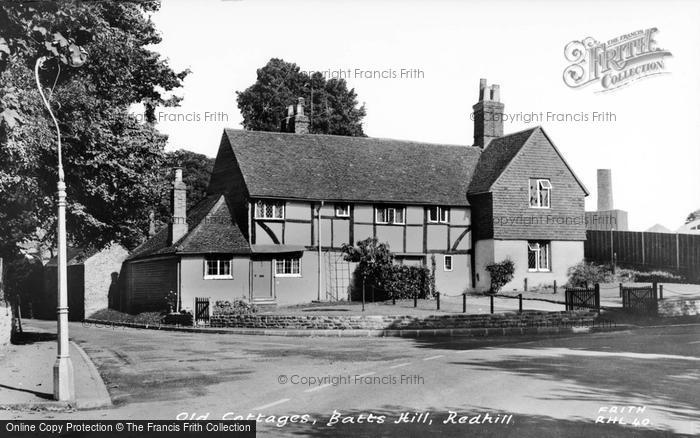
(614, 262)
(2, 278)
(19, 314)
(491, 303)
(525, 284)
(520, 303)
(678, 253)
(415, 299)
(363, 293)
(661, 291)
(438, 300)
(555, 286)
(597, 297)
(393, 299)
(620, 290)
(655, 288)
(464, 302)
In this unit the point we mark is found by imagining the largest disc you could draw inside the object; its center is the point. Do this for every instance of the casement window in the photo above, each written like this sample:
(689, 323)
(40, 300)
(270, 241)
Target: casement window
(217, 268)
(540, 193)
(538, 257)
(269, 210)
(342, 210)
(288, 267)
(448, 263)
(390, 215)
(438, 215)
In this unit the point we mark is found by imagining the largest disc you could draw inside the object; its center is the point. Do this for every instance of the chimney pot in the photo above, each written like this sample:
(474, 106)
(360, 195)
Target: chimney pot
(496, 93)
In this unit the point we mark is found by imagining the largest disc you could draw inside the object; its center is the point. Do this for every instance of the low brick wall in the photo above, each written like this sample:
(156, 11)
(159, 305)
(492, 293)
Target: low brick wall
(344, 322)
(5, 326)
(679, 307)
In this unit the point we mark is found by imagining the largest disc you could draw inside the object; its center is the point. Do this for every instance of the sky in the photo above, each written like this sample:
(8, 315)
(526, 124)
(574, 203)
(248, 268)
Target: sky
(648, 132)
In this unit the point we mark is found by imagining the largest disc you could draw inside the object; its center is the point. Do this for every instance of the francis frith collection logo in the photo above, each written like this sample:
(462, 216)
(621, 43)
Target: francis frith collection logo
(616, 62)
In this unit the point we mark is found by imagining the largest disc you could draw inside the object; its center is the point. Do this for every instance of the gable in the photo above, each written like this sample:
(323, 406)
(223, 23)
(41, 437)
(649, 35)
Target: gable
(540, 158)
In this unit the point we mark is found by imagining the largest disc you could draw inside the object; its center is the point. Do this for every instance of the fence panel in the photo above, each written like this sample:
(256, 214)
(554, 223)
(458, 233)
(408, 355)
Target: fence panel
(666, 251)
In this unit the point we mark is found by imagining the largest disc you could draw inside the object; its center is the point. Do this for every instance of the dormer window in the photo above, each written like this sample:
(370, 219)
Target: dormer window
(540, 193)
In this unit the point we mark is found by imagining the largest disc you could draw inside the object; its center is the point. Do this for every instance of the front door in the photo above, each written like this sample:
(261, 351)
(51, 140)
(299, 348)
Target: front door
(262, 280)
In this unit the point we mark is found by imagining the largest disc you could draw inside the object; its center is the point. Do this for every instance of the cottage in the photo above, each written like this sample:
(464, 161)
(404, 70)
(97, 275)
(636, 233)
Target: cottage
(282, 204)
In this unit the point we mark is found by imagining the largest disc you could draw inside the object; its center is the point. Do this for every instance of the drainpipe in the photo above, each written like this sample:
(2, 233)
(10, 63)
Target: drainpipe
(320, 264)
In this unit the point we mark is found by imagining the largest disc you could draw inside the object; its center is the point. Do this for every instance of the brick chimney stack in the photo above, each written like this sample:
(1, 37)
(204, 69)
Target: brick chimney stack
(301, 122)
(488, 114)
(178, 224)
(296, 121)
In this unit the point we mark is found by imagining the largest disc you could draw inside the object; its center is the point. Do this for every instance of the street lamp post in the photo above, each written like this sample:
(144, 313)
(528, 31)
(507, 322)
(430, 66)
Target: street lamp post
(63, 385)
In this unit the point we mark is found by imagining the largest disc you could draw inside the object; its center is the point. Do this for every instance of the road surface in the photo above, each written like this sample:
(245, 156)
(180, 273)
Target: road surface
(551, 386)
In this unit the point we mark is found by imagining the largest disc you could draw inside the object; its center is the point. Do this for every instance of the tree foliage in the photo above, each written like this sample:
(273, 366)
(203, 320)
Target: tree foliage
(196, 171)
(501, 273)
(330, 106)
(111, 160)
(382, 278)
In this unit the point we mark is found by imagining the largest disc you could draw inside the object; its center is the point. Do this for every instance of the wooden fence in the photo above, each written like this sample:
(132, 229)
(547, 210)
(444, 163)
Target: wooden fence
(648, 251)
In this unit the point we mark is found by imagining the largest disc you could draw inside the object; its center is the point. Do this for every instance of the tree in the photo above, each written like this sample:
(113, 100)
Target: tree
(196, 171)
(692, 216)
(331, 107)
(111, 159)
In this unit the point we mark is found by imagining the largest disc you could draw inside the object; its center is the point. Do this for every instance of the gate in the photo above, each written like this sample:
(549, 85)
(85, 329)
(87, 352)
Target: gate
(582, 298)
(201, 311)
(640, 299)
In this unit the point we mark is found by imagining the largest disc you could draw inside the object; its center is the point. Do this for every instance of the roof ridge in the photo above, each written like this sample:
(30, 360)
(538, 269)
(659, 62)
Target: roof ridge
(355, 138)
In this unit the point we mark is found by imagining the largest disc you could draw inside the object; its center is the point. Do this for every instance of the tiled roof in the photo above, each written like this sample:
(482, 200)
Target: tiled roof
(496, 157)
(211, 230)
(339, 168)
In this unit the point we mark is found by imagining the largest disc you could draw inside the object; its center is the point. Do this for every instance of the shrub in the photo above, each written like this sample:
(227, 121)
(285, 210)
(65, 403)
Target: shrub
(501, 273)
(658, 277)
(587, 273)
(403, 282)
(235, 307)
(182, 318)
(171, 301)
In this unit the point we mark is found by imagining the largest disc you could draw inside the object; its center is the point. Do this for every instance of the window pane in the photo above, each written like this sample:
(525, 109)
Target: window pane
(433, 214)
(279, 210)
(211, 267)
(295, 266)
(444, 215)
(381, 215)
(259, 209)
(533, 193)
(225, 267)
(390, 214)
(544, 256)
(279, 267)
(532, 254)
(398, 218)
(448, 263)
